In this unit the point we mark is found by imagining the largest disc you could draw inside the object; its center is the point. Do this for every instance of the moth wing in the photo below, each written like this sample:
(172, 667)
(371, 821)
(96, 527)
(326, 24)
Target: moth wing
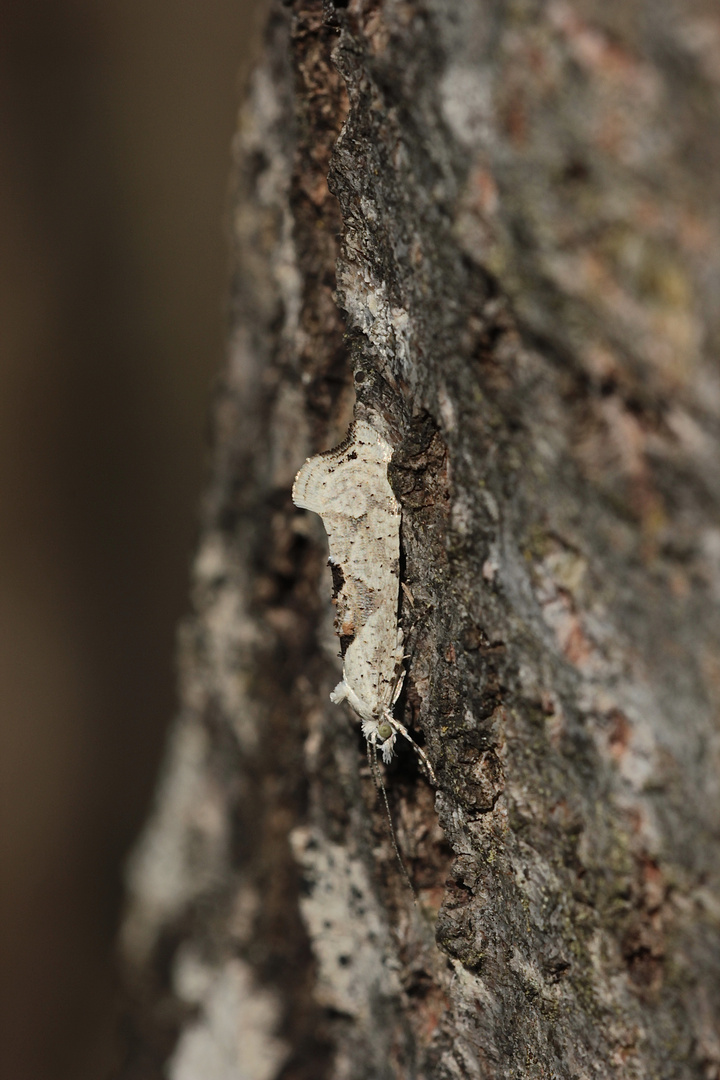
(329, 482)
(310, 490)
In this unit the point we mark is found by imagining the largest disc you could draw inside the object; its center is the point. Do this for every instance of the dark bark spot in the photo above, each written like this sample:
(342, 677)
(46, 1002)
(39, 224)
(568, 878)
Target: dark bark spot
(346, 641)
(338, 579)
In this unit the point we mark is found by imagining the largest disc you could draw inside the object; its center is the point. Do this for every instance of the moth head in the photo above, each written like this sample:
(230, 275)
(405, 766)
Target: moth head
(384, 730)
(388, 735)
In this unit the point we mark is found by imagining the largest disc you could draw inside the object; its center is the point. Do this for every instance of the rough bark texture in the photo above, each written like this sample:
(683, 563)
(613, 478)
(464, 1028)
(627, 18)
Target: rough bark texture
(497, 226)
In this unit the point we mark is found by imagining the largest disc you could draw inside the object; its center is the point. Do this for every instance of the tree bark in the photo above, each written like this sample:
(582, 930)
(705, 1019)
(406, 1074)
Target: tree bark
(496, 227)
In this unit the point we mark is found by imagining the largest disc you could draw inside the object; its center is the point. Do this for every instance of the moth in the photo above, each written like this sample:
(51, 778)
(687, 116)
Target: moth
(348, 487)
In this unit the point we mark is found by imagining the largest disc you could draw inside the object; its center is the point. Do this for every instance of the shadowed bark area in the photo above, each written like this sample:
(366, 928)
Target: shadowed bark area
(496, 228)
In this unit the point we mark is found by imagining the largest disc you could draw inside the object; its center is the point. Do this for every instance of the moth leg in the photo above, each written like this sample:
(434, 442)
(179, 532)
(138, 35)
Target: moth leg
(398, 688)
(398, 727)
(339, 693)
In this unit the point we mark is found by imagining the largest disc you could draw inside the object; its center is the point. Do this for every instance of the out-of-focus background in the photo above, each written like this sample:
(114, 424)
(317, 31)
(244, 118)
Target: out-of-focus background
(115, 124)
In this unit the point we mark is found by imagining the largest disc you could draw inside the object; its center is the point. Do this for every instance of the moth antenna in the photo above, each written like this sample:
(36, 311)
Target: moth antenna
(380, 786)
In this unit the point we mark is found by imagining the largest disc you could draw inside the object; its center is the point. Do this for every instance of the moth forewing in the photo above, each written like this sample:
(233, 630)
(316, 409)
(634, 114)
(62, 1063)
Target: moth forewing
(348, 487)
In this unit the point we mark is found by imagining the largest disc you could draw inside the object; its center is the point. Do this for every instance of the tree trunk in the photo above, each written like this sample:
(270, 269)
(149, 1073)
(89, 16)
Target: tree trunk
(495, 229)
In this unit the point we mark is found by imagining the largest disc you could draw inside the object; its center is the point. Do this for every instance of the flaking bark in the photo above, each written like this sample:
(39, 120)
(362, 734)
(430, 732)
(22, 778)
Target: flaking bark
(497, 227)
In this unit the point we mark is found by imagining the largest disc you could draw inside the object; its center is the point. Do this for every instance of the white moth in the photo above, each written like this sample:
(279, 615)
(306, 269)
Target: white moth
(349, 488)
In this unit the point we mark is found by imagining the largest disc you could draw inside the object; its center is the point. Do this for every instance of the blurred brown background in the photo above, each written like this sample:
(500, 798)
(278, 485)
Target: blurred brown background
(115, 124)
